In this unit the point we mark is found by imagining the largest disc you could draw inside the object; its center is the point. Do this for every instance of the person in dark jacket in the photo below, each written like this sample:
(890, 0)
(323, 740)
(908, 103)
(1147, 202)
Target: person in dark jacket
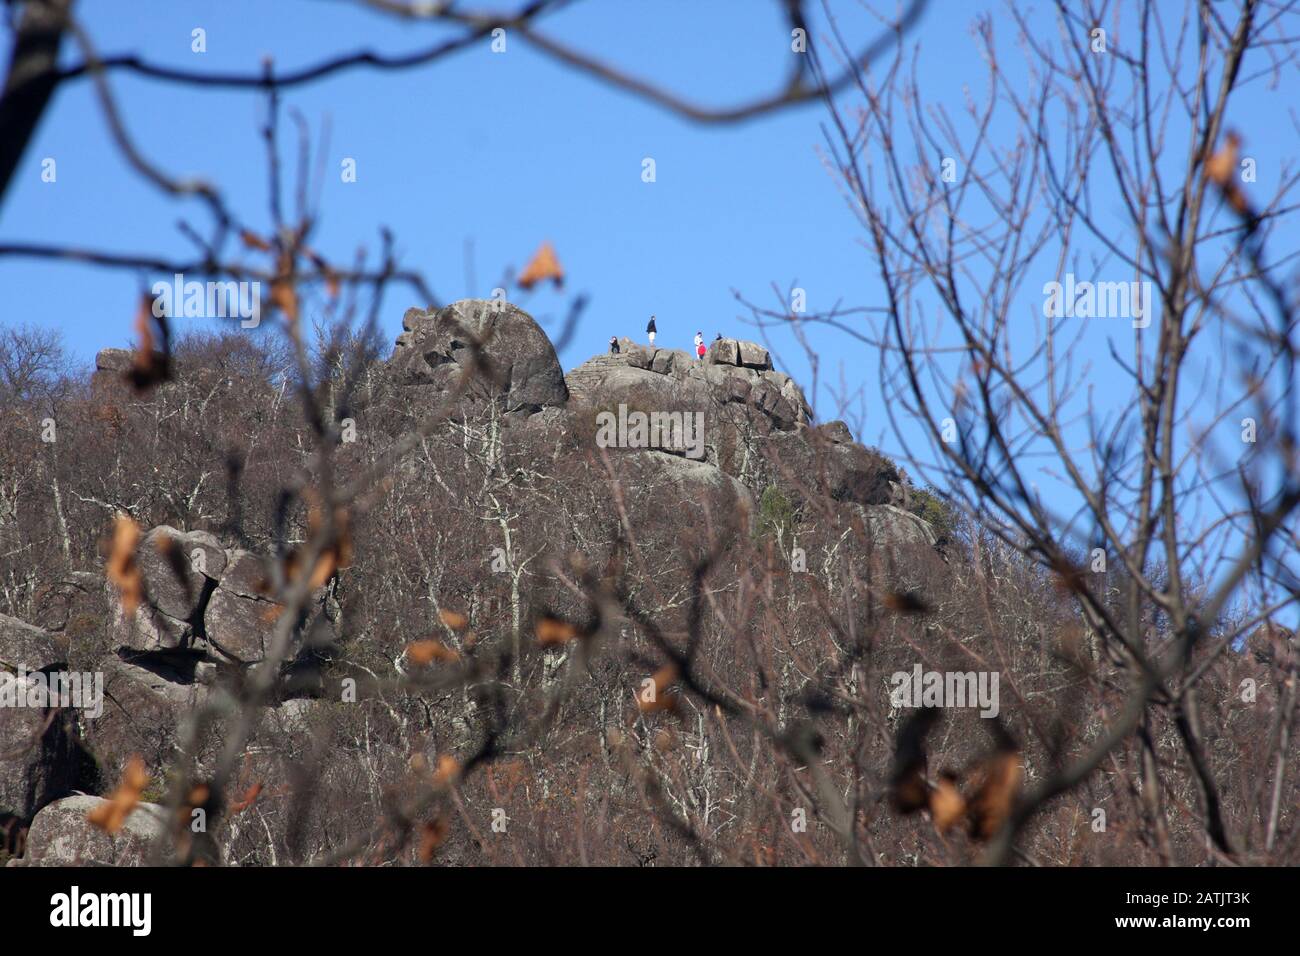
(613, 345)
(650, 330)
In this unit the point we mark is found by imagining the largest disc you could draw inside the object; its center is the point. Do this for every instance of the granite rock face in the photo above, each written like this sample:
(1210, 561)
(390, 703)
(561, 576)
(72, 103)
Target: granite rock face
(522, 367)
(60, 835)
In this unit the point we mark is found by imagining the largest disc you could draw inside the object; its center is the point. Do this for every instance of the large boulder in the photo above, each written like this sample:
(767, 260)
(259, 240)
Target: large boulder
(435, 349)
(238, 619)
(754, 355)
(824, 463)
(894, 526)
(245, 575)
(146, 696)
(178, 568)
(239, 627)
(60, 835)
(23, 645)
(146, 628)
(110, 367)
(740, 353)
(754, 399)
(42, 756)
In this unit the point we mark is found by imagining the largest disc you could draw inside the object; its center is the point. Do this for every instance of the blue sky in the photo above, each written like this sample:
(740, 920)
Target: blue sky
(505, 151)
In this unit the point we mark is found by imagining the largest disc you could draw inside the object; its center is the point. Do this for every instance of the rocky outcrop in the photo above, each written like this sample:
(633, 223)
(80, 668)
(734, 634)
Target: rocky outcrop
(206, 618)
(60, 835)
(212, 602)
(825, 463)
(110, 366)
(42, 755)
(435, 348)
(180, 571)
(23, 645)
(735, 385)
(239, 626)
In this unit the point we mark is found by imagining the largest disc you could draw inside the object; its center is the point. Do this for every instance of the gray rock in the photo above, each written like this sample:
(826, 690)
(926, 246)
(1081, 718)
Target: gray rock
(688, 495)
(245, 574)
(737, 389)
(893, 525)
(20, 745)
(148, 629)
(202, 561)
(638, 357)
(145, 700)
(724, 352)
(76, 599)
(113, 360)
(42, 756)
(435, 350)
(61, 835)
(754, 355)
(666, 359)
(836, 432)
(296, 715)
(23, 645)
(899, 495)
(239, 626)
(214, 555)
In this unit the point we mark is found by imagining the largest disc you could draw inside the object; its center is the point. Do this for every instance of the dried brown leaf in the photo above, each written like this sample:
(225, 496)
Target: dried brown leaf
(544, 265)
(121, 568)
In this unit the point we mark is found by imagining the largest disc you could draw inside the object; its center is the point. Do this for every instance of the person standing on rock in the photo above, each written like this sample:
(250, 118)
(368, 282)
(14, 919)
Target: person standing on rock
(699, 345)
(613, 345)
(650, 330)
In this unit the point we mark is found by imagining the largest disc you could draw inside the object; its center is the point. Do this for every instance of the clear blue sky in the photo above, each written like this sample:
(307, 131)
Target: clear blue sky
(504, 150)
(507, 151)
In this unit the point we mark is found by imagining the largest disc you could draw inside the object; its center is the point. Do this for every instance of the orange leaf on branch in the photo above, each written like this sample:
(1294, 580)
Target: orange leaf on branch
(544, 265)
(551, 632)
(432, 835)
(998, 783)
(453, 619)
(657, 699)
(110, 816)
(249, 798)
(425, 652)
(448, 771)
(151, 363)
(121, 568)
(947, 805)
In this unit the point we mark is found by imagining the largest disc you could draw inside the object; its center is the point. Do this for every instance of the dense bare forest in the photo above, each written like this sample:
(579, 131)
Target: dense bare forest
(518, 647)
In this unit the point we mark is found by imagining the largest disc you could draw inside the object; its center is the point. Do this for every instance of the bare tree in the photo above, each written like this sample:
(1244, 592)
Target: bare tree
(977, 226)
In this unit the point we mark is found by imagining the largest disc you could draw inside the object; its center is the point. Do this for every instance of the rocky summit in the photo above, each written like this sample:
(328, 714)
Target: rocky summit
(492, 519)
